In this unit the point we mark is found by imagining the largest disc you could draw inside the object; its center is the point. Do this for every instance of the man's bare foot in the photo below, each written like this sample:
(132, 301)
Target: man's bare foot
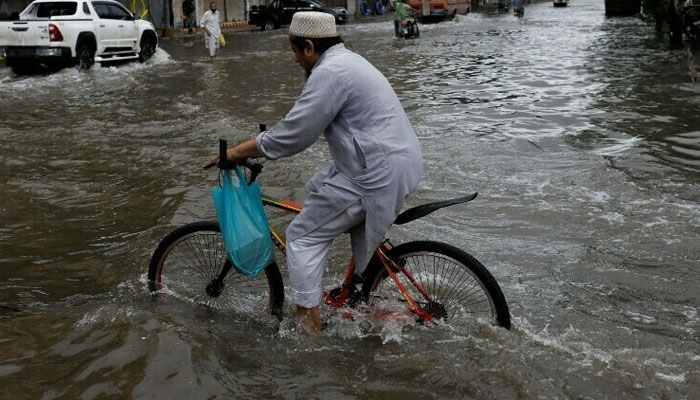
(309, 318)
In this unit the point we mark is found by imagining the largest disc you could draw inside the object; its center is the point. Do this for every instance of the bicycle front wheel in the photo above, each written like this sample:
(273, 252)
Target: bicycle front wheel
(191, 264)
(442, 279)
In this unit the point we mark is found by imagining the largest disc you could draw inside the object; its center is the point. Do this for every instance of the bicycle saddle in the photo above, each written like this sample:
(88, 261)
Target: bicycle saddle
(415, 213)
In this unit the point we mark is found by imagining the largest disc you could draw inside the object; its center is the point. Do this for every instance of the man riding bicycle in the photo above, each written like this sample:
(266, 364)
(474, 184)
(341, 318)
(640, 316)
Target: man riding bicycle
(377, 160)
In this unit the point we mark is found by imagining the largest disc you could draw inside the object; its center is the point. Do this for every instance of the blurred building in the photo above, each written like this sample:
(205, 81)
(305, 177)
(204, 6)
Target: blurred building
(169, 13)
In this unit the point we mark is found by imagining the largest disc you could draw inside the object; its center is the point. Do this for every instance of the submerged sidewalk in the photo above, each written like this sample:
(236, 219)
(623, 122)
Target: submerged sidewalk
(237, 26)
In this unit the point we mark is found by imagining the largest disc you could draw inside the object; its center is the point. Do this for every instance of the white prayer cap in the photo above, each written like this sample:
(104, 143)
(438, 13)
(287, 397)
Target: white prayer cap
(313, 24)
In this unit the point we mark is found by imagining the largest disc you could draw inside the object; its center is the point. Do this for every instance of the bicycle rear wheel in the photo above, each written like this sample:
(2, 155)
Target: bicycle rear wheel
(456, 284)
(191, 264)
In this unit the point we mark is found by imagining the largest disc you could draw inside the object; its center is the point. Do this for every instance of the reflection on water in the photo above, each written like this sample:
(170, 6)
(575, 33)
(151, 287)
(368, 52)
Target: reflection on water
(579, 132)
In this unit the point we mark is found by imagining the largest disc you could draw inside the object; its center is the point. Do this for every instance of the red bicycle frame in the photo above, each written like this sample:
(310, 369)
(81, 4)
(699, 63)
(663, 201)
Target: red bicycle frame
(340, 300)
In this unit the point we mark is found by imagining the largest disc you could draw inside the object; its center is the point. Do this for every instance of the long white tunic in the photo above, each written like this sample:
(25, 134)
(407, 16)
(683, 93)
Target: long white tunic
(210, 20)
(376, 155)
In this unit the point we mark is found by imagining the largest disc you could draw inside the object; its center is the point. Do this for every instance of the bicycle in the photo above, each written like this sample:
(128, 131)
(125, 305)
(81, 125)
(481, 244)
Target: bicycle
(435, 280)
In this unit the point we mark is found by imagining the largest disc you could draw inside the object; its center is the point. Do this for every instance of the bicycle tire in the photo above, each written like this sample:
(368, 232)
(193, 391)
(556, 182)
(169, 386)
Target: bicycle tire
(189, 258)
(456, 282)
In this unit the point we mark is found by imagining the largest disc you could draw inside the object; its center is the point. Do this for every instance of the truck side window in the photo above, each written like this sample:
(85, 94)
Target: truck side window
(118, 12)
(47, 10)
(86, 9)
(102, 10)
(31, 10)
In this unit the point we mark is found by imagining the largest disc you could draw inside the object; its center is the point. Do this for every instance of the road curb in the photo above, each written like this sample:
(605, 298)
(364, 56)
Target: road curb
(225, 27)
(237, 25)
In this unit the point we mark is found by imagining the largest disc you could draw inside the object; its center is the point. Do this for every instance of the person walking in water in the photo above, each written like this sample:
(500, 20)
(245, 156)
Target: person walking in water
(212, 29)
(376, 163)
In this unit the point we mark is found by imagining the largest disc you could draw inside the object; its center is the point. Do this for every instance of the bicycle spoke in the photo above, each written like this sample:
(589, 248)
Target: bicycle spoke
(194, 261)
(448, 283)
(460, 286)
(195, 253)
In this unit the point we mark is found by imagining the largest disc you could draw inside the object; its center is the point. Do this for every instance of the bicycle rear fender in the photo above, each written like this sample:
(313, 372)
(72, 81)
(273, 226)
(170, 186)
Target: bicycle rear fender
(415, 213)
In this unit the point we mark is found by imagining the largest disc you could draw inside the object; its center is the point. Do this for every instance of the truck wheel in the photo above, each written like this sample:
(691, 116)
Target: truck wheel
(85, 57)
(268, 26)
(148, 48)
(21, 67)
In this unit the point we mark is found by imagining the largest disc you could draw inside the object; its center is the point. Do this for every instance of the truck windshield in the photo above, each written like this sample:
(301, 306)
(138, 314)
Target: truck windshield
(48, 10)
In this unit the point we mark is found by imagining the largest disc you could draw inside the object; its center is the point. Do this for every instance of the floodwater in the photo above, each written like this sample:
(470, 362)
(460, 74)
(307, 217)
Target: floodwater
(580, 133)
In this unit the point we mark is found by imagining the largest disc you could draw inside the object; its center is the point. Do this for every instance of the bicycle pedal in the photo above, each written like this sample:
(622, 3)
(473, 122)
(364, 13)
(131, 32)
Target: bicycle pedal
(357, 280)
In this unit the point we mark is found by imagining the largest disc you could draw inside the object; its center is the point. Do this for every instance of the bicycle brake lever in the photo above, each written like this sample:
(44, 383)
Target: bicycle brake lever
(255, 170)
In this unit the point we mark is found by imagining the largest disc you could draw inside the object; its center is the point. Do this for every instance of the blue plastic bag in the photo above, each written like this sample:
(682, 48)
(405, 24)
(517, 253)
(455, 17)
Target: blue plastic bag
(243, 224)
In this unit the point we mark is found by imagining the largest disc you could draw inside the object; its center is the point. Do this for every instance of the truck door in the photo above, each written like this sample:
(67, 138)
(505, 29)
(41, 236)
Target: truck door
(107, 29)
(128, 32)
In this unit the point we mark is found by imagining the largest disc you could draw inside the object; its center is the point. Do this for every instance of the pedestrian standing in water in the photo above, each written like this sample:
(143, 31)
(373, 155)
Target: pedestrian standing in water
(377, 160)
(212, 29)
(188, 13)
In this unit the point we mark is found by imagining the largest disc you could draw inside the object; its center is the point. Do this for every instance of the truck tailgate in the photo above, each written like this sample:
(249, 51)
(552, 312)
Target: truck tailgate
(24, 33)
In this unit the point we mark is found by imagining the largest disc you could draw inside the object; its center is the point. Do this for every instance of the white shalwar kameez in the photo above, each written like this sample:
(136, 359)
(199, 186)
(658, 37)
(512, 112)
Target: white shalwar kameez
(210, 20)
(376, 163)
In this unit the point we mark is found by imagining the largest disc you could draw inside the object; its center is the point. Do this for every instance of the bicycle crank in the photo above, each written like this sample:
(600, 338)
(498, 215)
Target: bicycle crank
(215, 287)
(437, 310)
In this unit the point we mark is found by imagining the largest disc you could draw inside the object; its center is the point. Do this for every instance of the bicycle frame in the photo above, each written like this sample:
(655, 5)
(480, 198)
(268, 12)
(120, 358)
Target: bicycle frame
(381, 252)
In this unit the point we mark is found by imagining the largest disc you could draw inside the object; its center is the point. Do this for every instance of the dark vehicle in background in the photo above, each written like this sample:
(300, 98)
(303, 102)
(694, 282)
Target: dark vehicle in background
(12, 16)
(280, 12)
(691, 19)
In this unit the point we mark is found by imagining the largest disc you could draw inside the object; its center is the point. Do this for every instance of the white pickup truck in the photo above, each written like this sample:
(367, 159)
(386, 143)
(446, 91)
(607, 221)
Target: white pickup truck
(57, 33)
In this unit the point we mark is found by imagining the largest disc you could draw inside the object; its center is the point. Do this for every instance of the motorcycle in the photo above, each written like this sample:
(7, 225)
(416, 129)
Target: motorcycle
(518, 8)
(409, 28)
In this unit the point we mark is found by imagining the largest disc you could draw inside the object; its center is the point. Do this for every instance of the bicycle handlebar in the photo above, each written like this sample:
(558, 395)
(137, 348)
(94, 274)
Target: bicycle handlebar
(224, 163)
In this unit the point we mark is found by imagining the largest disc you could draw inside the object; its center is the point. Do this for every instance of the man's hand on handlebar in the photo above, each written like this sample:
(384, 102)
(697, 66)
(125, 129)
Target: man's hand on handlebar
(236, 155)
(231, 156)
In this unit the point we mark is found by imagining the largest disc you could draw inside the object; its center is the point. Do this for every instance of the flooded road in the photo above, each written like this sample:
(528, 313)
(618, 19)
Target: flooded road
(581, 135)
